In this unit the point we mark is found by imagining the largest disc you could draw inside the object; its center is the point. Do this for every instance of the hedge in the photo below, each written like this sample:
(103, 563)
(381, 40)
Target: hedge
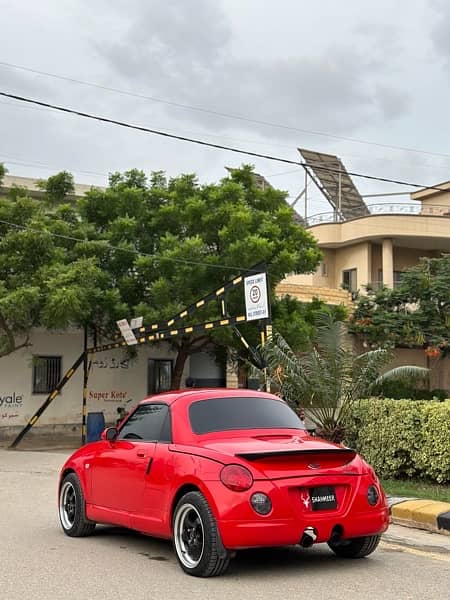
(402, 438)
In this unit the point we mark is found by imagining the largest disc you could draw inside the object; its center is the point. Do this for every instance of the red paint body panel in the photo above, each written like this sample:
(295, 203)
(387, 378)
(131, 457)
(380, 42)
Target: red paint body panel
(136, 484)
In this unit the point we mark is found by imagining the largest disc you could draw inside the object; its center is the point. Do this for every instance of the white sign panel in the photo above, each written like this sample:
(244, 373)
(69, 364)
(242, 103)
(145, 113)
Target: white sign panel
(127, 332)
(136, 323)
(256, 301)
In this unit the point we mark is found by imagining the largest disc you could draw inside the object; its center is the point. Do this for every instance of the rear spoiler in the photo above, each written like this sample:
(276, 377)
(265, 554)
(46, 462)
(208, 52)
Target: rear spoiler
(280, 453)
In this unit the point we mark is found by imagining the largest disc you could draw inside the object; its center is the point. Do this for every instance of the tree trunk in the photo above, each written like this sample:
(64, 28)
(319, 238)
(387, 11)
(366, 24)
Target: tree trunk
(242, 376)
(8, 343)
(183, 353)
(186, 347)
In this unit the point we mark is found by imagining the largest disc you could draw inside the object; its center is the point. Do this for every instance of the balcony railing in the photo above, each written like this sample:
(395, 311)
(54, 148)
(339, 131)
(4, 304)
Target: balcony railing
(381, 209)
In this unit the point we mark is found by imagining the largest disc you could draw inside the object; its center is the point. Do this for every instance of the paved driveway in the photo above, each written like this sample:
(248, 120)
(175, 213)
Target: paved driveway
(38, 562)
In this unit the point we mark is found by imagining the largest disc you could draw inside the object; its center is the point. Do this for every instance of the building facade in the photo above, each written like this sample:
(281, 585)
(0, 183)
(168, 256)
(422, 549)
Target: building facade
(117, 380)
(374, 248)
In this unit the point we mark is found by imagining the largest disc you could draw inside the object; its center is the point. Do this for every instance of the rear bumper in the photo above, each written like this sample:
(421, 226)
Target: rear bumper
(241, 527)
(286, 532)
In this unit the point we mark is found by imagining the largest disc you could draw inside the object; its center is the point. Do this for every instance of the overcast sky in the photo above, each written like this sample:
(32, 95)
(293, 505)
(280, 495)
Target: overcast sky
(377, 72)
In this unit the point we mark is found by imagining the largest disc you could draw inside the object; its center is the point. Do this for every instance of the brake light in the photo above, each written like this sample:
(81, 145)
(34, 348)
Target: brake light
(236, 478)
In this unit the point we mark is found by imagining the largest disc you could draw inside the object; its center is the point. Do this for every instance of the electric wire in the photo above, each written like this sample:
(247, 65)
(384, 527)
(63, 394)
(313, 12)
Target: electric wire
(126, 250)
(42, 165)
(371, 159)
(203, 143)
(202, 109)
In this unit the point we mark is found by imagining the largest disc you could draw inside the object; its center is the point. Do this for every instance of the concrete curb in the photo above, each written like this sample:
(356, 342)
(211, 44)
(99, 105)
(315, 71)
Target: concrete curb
(422, 514)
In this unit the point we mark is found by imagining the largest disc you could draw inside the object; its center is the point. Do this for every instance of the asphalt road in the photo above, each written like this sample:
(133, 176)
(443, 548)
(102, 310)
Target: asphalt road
(37, 561)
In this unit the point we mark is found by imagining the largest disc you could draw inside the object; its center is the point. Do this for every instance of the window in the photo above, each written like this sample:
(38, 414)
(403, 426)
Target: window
(149, 423)
(324, 269)
(223, 414)
(397, 277)
(159, 375)
(396, 274)
(46, 373)
(349, 281)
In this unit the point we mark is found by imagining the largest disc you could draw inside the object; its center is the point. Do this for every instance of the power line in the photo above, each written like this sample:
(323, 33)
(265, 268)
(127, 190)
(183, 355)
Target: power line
(422, 165)
(119, 249)
(210, 144)
(208, 134)
(220, 114)
(41, 165)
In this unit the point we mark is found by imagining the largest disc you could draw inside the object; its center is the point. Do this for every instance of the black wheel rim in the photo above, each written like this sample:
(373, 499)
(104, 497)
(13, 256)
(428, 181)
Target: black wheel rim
(67, 505)
(189, 537)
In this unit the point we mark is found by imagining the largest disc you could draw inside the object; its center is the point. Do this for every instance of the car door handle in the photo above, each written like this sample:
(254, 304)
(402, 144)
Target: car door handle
(141, 453)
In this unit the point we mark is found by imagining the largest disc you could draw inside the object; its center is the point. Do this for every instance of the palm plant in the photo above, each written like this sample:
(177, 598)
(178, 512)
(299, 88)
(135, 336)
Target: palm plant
(327, 379)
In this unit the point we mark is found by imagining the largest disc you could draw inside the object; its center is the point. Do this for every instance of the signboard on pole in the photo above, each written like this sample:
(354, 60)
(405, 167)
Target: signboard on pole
(127, 332)
(136, 323)
(256, 297)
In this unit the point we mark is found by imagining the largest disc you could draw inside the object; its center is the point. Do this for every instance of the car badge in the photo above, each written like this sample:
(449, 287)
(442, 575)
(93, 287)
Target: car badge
(314, 466)
(305, 499)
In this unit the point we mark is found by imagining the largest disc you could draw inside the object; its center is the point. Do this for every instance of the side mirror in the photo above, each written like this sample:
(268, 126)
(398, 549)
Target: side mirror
(110, 434)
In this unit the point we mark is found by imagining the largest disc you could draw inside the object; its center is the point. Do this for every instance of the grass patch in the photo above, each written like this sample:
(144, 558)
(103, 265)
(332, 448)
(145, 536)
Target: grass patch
(418, 489)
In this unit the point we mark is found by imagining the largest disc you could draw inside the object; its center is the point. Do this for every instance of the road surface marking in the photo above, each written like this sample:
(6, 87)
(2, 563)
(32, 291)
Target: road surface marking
(416, 552)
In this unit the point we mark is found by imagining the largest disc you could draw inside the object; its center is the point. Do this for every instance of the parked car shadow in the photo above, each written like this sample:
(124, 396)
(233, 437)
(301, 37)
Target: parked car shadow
(246, 563)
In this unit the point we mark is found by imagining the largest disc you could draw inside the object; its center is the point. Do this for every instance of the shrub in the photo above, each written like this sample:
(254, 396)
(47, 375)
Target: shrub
(433, 458)
(400, 438)
(402, 388)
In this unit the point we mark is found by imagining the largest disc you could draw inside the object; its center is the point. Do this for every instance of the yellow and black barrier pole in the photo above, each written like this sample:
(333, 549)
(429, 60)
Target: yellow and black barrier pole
(85, 386)
(263, 340)
(49, 399)
(265, 328)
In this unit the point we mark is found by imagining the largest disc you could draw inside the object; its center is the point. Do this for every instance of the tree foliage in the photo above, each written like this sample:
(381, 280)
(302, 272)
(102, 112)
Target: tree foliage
(143, 246)
(414, 314)
(58, 187)
(3, 171)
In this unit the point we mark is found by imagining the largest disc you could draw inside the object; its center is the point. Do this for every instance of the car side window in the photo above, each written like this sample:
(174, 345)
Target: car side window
(149, 423)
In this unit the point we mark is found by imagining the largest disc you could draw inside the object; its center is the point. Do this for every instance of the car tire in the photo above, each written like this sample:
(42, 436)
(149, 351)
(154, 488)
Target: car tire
(196, 538)
(356, 547)
(72, 513)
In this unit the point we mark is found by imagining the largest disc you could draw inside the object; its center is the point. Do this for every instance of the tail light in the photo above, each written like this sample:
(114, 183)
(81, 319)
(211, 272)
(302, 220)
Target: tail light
(372, 495)
(236, 478)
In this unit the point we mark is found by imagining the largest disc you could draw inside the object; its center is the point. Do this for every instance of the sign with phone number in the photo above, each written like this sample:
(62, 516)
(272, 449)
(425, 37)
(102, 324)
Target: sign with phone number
(256, 298)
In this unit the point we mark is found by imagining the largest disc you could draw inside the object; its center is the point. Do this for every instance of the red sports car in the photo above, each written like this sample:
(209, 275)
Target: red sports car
(220, 470)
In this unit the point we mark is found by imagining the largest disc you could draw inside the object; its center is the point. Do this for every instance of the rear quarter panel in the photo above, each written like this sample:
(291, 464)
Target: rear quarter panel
(79, 463)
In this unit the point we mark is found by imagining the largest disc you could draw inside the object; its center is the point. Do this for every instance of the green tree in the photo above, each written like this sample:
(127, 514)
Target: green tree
(47, 280)
(414, 314)
(58, 187)
(144, 246)
(3, 171)
(191, 239)
(329, 378)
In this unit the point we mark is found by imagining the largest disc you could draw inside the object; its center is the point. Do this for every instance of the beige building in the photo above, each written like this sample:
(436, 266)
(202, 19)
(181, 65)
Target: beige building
(375, 249)
(373, 246)
(369, 244)
(33, 189)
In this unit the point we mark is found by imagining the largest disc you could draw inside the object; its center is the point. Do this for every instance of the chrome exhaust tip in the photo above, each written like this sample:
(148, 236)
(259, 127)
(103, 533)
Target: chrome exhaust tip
(308, 538)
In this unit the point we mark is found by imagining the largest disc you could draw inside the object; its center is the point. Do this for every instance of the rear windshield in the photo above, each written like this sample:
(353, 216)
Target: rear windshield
(223, 414)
